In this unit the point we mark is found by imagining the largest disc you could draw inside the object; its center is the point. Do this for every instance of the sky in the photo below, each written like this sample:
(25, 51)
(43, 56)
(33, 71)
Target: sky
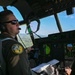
(48, 24)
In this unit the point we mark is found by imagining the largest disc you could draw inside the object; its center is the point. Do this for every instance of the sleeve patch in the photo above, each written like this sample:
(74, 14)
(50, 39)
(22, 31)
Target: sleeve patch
(17, 49)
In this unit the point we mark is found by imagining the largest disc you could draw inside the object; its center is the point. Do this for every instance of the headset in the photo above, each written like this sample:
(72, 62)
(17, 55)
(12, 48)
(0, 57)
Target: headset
(2, 27)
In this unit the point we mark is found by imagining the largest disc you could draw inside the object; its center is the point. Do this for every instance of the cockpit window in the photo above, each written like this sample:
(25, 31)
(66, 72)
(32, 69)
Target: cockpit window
(16, 12)
(67, 21)
(1, 8)
(49, 25)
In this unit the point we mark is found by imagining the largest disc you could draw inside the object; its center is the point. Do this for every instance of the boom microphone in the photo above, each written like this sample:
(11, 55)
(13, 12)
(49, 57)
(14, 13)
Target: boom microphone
(19, 28)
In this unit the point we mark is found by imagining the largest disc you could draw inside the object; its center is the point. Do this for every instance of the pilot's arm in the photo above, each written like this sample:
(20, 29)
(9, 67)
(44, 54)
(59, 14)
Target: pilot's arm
(17, 60)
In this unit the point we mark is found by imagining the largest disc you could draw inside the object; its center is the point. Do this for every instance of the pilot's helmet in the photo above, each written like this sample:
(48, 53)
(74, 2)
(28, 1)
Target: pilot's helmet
(69, 45)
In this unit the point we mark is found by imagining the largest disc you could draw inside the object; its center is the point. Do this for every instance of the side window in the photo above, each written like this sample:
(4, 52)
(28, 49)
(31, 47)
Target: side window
(24, 37)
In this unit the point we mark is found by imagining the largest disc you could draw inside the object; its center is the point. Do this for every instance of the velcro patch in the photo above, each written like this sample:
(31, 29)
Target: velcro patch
(17, 49)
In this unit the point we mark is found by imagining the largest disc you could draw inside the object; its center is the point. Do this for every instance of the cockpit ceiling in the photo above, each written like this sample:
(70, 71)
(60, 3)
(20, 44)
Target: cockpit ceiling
(42, 8)
(45, 8)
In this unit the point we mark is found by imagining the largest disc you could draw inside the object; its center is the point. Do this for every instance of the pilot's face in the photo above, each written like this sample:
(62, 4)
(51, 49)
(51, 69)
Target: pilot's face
(12, 25)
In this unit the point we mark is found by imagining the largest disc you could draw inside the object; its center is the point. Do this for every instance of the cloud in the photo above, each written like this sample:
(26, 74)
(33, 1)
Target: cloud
(71, 16)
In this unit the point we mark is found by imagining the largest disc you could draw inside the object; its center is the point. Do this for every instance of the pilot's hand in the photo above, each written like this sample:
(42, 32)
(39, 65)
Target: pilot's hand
(68, 70)
(29, 49)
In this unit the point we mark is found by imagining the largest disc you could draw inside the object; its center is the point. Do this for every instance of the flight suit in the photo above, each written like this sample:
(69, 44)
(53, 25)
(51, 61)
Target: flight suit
(15, 57)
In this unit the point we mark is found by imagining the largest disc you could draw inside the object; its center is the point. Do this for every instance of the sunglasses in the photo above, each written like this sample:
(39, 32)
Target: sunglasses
(13, 22)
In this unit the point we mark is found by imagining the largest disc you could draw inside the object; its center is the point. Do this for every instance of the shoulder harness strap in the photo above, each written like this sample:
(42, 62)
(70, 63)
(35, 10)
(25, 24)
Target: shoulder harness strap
(2, 62)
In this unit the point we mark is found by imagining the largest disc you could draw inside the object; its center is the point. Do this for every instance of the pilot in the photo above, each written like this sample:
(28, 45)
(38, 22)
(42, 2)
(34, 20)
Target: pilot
(14, 54)
(69, 51)
(70, 70)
